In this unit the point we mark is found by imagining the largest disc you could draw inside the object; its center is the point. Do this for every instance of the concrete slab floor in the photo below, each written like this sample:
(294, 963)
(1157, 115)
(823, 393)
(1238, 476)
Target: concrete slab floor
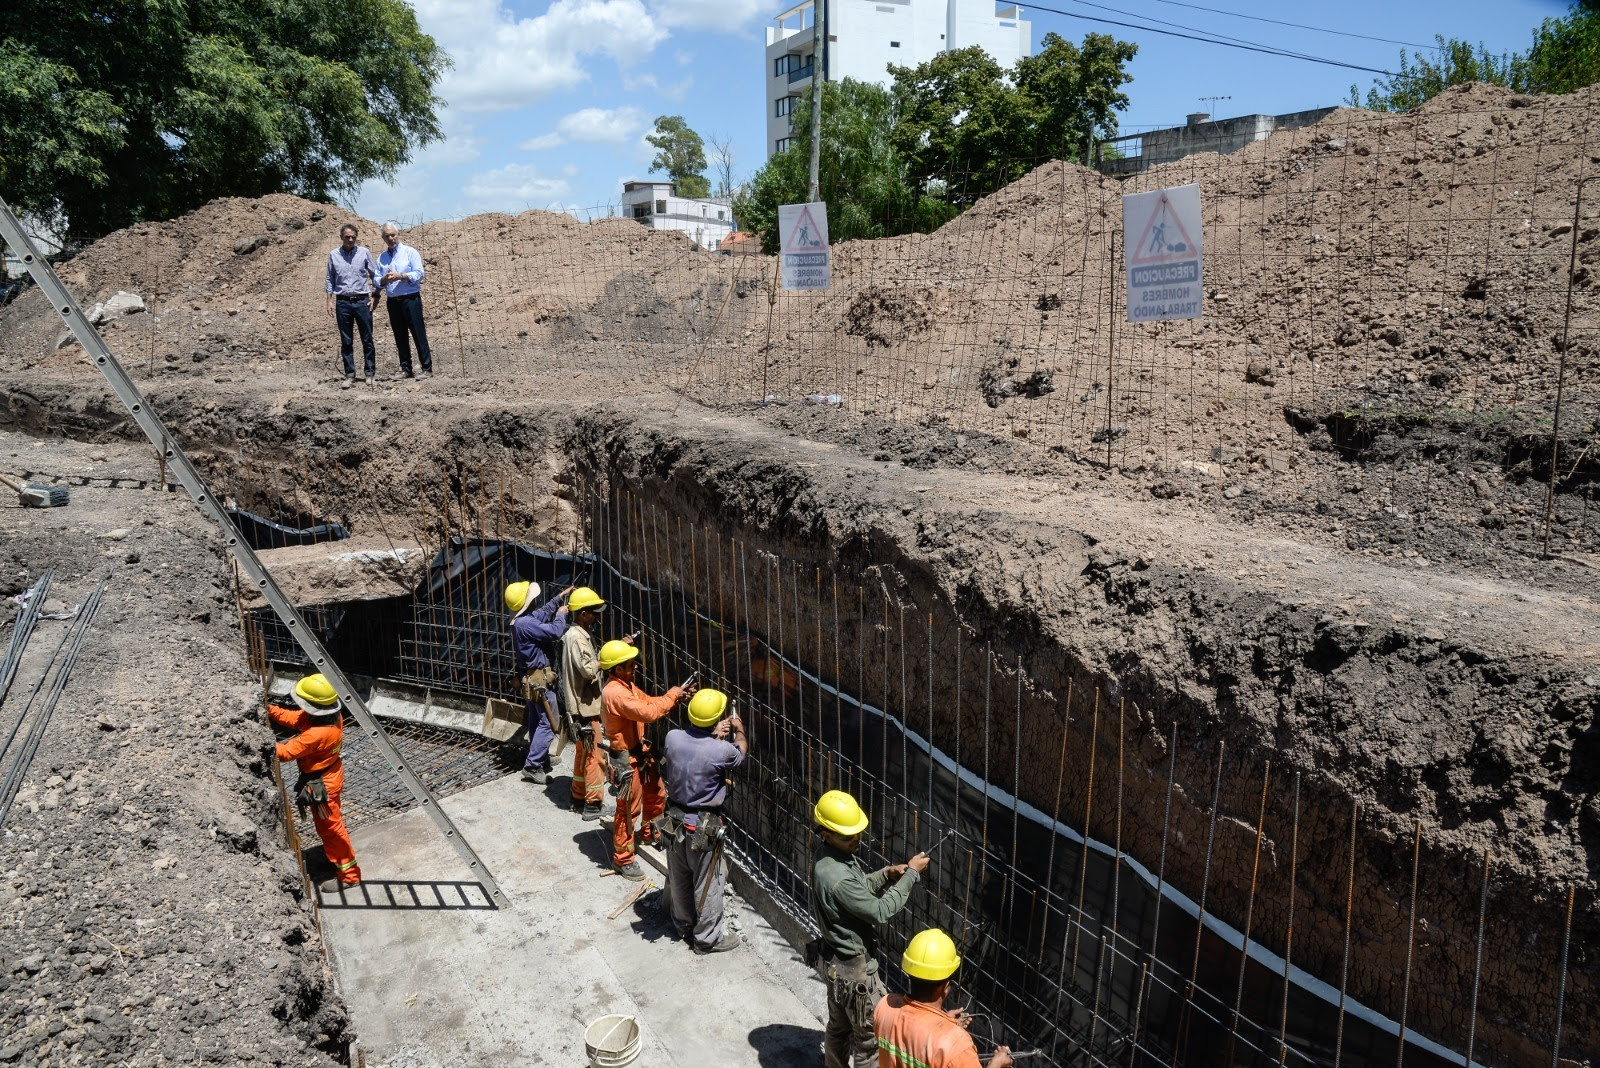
(433, 983)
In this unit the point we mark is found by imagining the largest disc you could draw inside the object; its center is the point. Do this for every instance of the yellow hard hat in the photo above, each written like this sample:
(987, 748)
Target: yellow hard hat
(616, 652)
(931, 955)
(706, 707)
(838, 811)
(520, 597)
(583, 597)
(316, 696)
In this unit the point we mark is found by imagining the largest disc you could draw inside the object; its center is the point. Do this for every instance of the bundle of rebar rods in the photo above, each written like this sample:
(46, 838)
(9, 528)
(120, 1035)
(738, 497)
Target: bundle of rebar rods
(22, 630)
(15, 763)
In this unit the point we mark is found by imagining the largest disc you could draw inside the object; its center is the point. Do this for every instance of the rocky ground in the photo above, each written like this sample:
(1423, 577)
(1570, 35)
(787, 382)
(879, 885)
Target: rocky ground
(152, 913)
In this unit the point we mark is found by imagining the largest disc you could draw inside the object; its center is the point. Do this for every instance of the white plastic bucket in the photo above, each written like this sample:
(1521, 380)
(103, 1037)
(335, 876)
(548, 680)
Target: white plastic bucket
(612, 1041)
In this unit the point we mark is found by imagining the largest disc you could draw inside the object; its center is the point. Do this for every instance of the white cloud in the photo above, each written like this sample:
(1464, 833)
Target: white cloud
(684, 57)
(591, 126)
(503, 61)
(725, 15)
(602, 125)
(633, 83)
(516, 187)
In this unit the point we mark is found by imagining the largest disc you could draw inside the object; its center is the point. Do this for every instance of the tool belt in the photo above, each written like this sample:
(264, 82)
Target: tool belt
(701, 828)
(310, 793)
(535, 681)
(581, 731)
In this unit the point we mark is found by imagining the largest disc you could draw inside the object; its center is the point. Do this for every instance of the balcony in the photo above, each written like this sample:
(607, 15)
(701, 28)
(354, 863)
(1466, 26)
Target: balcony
(800, 74)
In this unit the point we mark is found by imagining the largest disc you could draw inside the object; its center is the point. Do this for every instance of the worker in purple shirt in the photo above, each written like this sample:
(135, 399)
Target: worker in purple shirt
(699, 759)
(535, 637)
(400, 272)
(352, 294)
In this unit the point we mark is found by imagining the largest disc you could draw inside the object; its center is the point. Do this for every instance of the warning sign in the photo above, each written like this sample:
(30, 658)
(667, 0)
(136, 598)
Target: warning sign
(803, 241)
(1161, 247)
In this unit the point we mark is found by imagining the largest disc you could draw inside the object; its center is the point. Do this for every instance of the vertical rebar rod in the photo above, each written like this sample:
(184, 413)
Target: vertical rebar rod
(1249, 913)
(1088, 812)
(1055, 821)
(905, 739)
(1349, 915)
(1561, 988)
(1200, 917)
(1288, 937)
(927, 667)
(838, 679)
(1108, 945)
(861, 675)
(1561, 367)
(1138, 1011)
(1016, 791)
(1477, 958)
(1411, 942)
(988, 679)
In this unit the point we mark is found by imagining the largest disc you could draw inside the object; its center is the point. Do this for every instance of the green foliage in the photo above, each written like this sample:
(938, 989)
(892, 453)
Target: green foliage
(127, 110)
(681, 154)
(1075, 92)
(951, 130)
(860, 174)
(1565, 56)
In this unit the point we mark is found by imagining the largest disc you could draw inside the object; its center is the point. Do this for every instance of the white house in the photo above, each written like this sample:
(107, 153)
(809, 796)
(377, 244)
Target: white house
(865, 36)
(707, 221)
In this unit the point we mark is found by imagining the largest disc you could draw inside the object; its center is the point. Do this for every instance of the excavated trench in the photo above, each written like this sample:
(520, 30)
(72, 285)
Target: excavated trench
(1214, 740)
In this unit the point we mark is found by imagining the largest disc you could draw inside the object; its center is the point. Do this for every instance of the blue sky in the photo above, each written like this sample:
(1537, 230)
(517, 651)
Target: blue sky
(548, 103)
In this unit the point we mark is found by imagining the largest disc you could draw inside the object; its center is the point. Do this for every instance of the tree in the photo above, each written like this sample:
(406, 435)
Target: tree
(960, 122)
(681, 154)
(722, 159)
(124, 110)
(1565, 56)
(1075, 91)
(861, 176)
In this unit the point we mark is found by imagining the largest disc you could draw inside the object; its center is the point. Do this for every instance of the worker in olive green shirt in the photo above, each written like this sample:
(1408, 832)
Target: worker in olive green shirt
(849, 904)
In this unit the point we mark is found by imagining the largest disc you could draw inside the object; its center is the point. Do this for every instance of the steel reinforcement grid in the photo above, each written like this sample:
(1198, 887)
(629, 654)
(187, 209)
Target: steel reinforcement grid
(1080, 938)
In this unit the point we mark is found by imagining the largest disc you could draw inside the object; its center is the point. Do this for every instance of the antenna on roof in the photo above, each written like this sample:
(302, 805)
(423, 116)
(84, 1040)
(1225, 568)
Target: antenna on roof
(1211, 102)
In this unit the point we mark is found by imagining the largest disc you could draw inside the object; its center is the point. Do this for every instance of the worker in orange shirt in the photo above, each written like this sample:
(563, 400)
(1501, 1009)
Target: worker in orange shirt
(318, 735)
(625, 710)
(912, 1029)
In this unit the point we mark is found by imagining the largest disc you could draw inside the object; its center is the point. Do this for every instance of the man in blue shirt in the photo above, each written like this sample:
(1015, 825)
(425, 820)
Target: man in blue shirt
(699, 760)
(352, 294)
(535, 637)
(401, 275)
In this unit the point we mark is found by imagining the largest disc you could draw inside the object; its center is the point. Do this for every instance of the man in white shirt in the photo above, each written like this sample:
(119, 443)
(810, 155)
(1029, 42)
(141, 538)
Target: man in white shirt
(400, 267)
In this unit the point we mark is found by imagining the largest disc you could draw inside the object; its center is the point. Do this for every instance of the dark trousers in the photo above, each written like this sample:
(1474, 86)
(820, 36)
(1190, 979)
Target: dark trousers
(405, 317)
(357, 313)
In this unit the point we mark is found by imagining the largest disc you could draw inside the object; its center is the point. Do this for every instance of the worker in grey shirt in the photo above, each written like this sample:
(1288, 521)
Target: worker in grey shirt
(352, 294)
(698, 761)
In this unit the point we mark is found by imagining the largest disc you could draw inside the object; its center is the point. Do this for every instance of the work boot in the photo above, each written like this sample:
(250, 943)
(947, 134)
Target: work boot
(400, 376)
(425, 374)
(592, 811)
(630, 870)
(334, 886)
(731, 940)
(577, 805)
(372, 383)
(347, 382)
(536, 776)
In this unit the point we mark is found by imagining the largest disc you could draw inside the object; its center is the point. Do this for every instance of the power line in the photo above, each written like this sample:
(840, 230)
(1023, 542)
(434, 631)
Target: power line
(1299, 25)
(1218, 38)
(1247, 46)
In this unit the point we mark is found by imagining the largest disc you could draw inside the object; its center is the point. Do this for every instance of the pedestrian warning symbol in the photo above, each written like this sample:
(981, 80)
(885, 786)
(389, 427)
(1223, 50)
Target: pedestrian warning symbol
(803, 240)
(1161, 247)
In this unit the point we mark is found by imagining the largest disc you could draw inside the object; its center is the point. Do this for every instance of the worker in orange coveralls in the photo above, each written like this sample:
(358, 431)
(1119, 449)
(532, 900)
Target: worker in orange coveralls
(913, 1029)
(625, 709)
(319, 734)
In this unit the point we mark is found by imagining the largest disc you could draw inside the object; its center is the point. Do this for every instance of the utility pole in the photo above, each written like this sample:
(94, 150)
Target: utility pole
(819, 26)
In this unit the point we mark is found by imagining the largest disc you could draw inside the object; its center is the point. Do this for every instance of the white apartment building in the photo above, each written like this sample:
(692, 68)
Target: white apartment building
(657, 205)
(865, 36)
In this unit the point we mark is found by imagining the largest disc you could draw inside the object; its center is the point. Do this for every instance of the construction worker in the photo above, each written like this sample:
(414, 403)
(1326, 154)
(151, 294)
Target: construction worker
(849, 904)
(625, 710)
(534, 634)
(318, 735)
(580, 696)
(699, 759)
(912, 1029)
